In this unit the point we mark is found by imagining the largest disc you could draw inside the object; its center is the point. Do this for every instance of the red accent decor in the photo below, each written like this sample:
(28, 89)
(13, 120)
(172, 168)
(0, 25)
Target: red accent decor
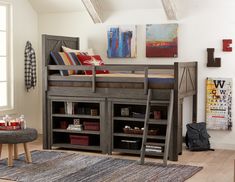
(14, 123)
(93, 126)
(10, 127)
(227, 45)
(79, 140)
(92, 60)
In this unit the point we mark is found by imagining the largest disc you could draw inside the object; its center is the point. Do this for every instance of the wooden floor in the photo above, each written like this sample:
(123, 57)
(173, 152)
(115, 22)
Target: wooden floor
(218, 165)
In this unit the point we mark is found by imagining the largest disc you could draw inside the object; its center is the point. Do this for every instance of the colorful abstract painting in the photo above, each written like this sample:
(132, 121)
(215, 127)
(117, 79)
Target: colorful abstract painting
(121, 41)
(161, 40)
(219, 103)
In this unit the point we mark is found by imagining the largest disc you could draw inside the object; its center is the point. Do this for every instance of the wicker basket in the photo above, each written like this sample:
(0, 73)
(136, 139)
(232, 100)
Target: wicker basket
(152, 132)
(128, 131)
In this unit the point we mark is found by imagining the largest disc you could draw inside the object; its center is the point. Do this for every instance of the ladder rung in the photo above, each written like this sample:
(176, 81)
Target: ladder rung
(159, 122)
(154, 144)
(154, 148)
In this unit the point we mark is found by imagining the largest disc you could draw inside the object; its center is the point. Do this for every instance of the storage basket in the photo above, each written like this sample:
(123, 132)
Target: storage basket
(130, 144)
(79, 140)
(93, 126)
(139, 131)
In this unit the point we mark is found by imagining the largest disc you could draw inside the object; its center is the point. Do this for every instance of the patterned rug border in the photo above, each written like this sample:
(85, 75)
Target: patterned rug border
(88, 165)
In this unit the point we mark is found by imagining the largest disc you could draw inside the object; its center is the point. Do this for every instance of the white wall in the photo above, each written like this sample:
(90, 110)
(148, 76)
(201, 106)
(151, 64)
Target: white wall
(204, 25)
(25, 27)
(201, 25)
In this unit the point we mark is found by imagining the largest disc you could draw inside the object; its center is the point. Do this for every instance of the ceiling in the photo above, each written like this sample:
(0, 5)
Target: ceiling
(58, 6)
(119, 5)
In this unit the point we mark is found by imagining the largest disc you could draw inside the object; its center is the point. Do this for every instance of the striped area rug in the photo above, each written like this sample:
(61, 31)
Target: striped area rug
(54, 166)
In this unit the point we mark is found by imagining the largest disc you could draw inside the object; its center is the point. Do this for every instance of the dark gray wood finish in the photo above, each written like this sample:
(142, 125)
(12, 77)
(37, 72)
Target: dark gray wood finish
(146, 127)
(168, 129)
(102, 133)
(51, 43)
(109, 131)
(185, 84)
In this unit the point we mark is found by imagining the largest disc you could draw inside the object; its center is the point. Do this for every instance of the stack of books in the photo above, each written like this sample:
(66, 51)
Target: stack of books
(151, 148)
(77, 127)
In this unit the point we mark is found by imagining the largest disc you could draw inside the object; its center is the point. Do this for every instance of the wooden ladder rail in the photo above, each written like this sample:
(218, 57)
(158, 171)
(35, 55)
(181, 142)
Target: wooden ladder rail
(169, 126)
(168, 129)
(144, 139)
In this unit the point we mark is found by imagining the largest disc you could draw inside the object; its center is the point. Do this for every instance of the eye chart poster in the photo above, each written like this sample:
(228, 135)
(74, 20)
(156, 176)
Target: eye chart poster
(219, 103)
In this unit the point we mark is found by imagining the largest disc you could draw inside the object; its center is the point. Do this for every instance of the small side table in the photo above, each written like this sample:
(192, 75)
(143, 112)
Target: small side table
(14, 137)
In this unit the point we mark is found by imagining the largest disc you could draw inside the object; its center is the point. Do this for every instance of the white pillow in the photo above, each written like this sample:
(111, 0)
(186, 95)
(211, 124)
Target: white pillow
(88, 51)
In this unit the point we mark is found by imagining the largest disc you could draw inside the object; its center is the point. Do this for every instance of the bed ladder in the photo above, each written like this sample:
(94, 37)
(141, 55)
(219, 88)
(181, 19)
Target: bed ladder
(152, 147)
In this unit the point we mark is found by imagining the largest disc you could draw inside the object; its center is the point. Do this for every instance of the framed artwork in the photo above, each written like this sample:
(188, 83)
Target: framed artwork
(219, 103)
(122, 41)
(161, 40)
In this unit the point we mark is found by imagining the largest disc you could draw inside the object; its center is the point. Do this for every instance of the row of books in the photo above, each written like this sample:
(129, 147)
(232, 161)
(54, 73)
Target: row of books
(72, 108)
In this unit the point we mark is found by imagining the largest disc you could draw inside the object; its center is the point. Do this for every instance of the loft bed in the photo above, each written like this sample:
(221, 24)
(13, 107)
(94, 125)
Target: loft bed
(124, 81)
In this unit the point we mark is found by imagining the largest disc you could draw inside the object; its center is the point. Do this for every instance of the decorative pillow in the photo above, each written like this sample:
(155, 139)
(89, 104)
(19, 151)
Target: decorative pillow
(86, 52)
(66, 58)
(92, 60)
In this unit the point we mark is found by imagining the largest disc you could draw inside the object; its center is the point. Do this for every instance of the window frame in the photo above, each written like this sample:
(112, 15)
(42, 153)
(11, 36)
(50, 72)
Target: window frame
(8, 56)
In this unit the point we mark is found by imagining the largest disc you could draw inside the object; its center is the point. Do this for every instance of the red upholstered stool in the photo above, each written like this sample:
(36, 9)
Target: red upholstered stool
(14, 137)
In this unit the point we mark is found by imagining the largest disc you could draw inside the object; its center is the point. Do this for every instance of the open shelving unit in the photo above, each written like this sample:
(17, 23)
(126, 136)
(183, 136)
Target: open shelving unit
(67, 111)
(129, 141)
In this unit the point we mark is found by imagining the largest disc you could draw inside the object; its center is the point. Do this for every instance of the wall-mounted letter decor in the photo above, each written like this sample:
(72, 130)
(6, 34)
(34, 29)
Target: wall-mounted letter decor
(219, 103)
(211, 61)
(227, 45)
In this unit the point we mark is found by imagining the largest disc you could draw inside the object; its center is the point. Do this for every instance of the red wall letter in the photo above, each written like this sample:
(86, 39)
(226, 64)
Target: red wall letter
(226, 45)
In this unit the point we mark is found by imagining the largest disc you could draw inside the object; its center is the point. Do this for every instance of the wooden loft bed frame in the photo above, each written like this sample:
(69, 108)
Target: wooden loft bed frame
(185, 84)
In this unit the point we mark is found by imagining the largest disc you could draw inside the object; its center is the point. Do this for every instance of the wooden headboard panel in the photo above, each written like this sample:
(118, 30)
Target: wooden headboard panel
(54, 43)
(51, 43)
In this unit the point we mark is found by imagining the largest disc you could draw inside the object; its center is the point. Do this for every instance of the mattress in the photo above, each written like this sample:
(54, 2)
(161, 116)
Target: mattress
(120, 80)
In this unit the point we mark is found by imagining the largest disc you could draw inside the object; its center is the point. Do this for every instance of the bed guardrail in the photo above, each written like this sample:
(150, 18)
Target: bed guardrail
(128, 68)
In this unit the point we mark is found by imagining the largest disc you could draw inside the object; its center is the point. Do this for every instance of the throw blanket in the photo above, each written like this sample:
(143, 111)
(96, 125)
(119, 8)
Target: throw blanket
(30, 66)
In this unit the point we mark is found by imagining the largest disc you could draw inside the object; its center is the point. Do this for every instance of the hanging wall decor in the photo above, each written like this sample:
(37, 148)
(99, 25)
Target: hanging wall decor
(219, 103)
(161, 40)
(227, 45)
(211, 61)
(121, 41)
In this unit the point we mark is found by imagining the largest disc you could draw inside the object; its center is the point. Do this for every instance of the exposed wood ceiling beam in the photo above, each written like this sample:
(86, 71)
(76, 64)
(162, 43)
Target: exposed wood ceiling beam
(170, 9)
(94, 10)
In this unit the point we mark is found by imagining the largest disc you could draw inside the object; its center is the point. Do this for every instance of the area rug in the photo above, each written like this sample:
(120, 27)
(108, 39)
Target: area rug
(55, 166)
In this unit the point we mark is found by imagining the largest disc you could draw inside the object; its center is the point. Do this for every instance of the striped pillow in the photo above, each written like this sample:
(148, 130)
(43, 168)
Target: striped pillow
(66, 58)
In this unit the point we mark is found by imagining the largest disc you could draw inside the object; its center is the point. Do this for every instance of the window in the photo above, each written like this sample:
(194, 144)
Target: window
(6, 95)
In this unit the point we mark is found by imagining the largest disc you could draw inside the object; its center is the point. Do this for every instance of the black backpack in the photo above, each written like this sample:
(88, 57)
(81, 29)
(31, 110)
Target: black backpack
(197, 138)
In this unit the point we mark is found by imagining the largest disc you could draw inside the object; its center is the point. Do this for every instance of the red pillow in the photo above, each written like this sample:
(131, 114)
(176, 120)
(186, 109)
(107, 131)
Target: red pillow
(92, 60)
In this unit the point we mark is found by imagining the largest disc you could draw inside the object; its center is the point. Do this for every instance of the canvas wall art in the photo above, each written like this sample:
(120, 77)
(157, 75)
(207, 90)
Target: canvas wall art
(219, 103)
(161, 40)
(121, 41)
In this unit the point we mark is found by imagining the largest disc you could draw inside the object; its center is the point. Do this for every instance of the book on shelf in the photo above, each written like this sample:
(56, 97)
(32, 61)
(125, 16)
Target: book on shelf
(151, 148)
(69, 108)
(76, 127)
